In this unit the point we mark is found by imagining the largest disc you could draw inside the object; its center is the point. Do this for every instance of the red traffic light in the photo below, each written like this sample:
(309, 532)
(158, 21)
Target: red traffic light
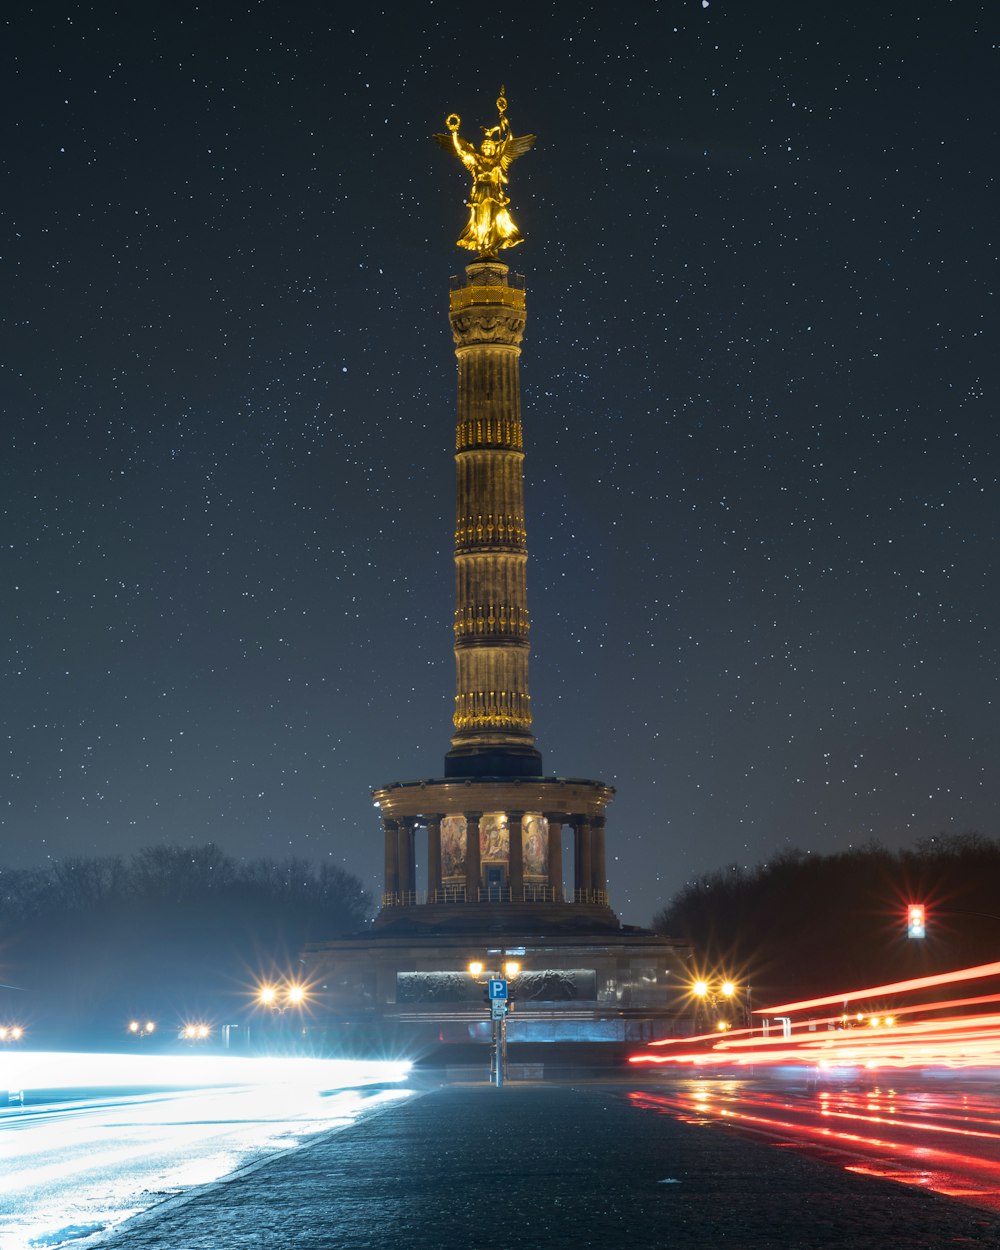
(916, 921)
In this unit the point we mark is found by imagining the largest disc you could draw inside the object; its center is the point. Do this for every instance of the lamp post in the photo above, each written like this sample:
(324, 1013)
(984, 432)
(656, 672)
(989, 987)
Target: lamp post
(279, 998)
(194, 1033)
(715, 994)
(499, 1004)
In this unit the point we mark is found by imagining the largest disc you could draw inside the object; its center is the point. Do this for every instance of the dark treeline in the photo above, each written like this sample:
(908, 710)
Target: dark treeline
(174, 933)
(825, 923)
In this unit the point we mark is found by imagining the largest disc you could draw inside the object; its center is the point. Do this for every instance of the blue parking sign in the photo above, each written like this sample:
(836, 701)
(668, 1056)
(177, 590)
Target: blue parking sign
(498, 988)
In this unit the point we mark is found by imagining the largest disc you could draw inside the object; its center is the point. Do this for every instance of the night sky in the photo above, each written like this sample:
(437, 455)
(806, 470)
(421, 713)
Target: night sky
(760, 399)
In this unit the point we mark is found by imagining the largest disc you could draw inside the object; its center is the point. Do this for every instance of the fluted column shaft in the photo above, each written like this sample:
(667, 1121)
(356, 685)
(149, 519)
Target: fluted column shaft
(492, 720)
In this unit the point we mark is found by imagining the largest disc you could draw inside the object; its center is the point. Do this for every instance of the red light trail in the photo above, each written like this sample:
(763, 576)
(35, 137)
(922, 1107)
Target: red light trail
(952, 1034)
(881, 991)
(934, 1136)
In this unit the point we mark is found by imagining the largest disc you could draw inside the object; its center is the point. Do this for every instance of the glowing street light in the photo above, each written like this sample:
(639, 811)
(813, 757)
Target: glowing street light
(139, 1028)
(718, 995)
(286, 1001)
(195, 1033)
(280, 997)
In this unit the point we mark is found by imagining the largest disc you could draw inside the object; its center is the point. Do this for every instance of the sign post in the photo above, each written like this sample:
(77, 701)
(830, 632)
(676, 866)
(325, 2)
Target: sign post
(498, 1013)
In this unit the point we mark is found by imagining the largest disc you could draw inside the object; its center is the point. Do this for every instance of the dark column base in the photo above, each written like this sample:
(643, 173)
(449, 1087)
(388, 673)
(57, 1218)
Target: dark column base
(493, 762)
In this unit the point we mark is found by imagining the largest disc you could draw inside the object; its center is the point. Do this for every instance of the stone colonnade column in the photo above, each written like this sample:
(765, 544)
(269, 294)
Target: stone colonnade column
(582, 865)
(555, 863)
(472, 865)
(598, 869)
(391, 882)
(433, 857)
(515, 855)
(407, 866)
(589, 857)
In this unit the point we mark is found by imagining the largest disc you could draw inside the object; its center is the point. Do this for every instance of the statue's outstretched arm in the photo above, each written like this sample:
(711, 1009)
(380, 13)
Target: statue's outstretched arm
(462, 148)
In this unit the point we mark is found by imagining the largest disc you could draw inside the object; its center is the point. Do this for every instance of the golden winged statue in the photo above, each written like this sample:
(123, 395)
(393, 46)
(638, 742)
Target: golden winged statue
(490, 226)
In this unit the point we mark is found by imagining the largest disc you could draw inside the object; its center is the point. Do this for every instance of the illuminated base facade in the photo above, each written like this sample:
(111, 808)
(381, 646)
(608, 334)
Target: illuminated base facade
(575, 993)
(482, 870)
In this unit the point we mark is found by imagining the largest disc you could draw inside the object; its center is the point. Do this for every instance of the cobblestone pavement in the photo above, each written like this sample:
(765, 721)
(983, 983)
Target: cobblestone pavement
(551, 1167)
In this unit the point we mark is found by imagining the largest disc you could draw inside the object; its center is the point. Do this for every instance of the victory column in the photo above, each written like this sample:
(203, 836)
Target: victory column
(493, 822)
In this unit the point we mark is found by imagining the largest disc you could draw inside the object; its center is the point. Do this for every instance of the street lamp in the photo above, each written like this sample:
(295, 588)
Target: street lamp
(718, 995)
(195, 1033)
(140, 1029)
(279, 998)
(498, 999)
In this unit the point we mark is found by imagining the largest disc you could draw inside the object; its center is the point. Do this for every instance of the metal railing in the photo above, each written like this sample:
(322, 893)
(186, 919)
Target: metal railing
(531, 893)
(597, 897)
(402, 898)
(450, 894)
(536, 893)
(494, 894)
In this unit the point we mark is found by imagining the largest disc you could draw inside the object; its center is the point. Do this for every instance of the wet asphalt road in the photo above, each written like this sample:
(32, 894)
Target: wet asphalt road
(551, 1166)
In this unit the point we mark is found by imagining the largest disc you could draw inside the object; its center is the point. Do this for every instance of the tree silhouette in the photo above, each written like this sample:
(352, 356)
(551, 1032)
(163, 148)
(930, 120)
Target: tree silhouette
(174, 933)
(824, 923)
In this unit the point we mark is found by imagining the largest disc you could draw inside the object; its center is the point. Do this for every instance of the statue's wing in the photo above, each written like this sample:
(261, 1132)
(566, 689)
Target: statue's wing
(445, 141)
(515, 146)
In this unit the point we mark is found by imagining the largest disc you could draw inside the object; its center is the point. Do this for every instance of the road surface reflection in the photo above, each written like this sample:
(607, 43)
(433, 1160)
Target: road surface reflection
(943, 1139)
